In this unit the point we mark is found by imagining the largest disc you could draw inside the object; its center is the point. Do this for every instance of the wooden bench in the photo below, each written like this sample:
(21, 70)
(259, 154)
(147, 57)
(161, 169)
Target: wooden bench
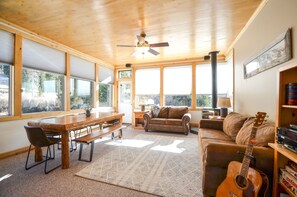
(96, 134)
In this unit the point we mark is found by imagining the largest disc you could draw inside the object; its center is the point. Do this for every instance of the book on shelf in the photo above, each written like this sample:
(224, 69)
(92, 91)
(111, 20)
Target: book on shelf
(291, 171)
(292, 165)
(288, 180)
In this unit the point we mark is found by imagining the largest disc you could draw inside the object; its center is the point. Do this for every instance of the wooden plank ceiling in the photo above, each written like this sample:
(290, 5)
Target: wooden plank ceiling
(95, 27)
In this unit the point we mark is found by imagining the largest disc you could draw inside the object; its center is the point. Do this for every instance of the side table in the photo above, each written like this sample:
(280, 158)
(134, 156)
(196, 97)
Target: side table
(138, 121)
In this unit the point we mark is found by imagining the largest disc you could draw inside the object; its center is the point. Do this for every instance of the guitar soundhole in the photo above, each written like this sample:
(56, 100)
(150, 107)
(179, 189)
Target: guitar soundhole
(241, 181)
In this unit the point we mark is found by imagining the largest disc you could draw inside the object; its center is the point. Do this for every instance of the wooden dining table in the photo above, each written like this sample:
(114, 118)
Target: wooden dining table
(65, 124)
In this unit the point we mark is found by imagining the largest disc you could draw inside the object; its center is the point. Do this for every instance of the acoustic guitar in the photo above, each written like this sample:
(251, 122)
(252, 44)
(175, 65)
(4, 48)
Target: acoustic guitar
(241, 180)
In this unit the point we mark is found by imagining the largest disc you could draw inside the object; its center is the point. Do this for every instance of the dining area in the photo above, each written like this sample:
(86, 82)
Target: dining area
(67, 130)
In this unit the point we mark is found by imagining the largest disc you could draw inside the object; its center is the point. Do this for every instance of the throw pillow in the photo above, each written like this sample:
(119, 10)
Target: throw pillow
(155, 111)
(265, 133)
(233, 123)
(163, 112)
(177, 112)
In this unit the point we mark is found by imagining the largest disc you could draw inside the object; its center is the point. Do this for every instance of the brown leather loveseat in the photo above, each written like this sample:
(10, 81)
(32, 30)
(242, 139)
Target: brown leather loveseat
(219, 143)
(174, 119)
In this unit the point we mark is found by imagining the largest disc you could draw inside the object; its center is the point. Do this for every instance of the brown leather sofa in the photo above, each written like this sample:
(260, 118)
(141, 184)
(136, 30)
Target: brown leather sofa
(220, 142)
(173, 119)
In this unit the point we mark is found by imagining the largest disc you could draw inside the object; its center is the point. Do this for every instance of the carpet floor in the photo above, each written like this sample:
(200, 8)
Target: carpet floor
(34, 182)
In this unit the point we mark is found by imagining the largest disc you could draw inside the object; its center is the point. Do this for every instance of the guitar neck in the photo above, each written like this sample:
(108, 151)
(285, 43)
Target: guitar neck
(248, 153)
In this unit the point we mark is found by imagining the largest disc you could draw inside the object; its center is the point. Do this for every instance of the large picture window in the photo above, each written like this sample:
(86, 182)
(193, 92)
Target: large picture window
(5, 79)
(105, 95)
(178, 86)
(81, 93)
(41, 91)
(147, 86)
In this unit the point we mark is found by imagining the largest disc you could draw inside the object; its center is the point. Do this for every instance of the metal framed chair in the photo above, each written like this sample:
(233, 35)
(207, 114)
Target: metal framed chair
(38, 138)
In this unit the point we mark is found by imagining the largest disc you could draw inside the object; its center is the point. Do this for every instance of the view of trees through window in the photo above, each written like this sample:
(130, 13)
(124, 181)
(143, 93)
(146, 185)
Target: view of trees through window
(4, 89)
(125, 74)
(105, 95)
(42, 91)
(81, 94)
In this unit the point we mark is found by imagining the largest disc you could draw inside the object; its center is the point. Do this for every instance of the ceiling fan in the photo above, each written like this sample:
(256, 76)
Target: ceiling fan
(143, 45)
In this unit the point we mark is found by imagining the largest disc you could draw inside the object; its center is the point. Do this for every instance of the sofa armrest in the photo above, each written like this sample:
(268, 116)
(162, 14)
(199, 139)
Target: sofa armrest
(186, 121)
(211, 124)
(147, 117)
(221, 154)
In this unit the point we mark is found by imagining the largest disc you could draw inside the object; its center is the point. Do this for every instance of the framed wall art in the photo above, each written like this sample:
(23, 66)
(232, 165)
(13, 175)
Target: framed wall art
(277, 52)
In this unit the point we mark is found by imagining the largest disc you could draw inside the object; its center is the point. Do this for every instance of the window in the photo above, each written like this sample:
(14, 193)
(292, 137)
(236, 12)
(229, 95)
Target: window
(147, 86)
(203, 85)
(41, 91)
(105, 95)
(5, 73)
(81, 93)
(124, 74)
(178, 86)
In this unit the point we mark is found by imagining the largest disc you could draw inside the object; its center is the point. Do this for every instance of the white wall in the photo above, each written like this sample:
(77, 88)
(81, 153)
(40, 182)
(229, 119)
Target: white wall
(258, 93)
(13, 135)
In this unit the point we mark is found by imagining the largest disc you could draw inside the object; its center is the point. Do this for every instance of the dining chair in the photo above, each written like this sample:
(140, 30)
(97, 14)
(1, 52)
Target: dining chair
(38, 138)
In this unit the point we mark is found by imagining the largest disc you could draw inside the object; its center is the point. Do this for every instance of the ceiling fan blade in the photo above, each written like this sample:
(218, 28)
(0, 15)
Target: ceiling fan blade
(161, 44)
(154, 52)
(125, 45)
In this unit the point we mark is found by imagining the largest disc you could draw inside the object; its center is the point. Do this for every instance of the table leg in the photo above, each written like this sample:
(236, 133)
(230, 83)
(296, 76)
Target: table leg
(38, 154)
(65, 150)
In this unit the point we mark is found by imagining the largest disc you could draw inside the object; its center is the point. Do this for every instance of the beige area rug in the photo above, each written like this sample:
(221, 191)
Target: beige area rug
(161, 165)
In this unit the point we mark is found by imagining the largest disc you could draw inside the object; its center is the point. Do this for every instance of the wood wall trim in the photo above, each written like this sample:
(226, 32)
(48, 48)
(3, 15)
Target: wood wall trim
(67, 83)
(18, 69)
(194, 86)
(179, 62)
(13, 28)
(162, 100)
(96, 87)
(15, 152)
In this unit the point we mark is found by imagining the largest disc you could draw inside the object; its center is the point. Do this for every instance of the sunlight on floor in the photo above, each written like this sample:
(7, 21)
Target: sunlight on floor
(131, 143)
(102, 139)
(171, 147)
(5, 177)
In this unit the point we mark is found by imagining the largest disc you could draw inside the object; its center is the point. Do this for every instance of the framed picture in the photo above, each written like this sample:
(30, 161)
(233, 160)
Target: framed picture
(277, 52)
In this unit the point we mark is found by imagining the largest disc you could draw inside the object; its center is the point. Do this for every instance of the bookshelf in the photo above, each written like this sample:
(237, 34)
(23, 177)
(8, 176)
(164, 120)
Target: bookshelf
(286, 115)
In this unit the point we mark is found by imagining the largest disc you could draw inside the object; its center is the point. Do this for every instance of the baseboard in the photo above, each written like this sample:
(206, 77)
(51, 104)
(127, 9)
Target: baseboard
(14, 152)
(194, 124)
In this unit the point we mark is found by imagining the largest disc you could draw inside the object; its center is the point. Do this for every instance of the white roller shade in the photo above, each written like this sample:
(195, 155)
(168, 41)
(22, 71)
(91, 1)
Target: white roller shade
(42, 57)
(105, 75)
(178, 80)
(7, 47)
(82, 68)
(203, 79)
(147, 81)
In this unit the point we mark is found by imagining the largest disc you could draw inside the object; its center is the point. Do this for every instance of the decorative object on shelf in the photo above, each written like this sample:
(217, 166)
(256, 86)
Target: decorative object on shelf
(142, 107)
(224, 103)
(291, 94)
(277, 52)
(88, 111)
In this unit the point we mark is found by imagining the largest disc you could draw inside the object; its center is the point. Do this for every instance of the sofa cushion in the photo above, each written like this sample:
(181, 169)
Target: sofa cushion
(177, 112)
(165, 121)
(155, 111)
(265, 133)
(163, 112)
(233, 123)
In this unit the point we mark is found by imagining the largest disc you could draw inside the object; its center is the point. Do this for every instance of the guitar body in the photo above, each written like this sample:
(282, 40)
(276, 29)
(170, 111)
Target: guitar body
(233, 186)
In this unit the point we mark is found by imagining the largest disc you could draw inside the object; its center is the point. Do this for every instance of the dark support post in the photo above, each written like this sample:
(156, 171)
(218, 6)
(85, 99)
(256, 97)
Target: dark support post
(213, 58)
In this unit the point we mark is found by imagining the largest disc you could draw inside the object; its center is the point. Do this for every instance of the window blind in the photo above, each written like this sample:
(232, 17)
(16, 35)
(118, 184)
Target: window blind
(105, 75)
(178, 80)
(82, 68)
(41, 57)
(147, 81)
(203, 79)
(7, 47)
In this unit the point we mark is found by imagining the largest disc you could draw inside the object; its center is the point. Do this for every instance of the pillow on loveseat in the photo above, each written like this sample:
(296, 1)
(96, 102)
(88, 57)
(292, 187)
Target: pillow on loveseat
(233, 123)
(265, 133)
(177, 112)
